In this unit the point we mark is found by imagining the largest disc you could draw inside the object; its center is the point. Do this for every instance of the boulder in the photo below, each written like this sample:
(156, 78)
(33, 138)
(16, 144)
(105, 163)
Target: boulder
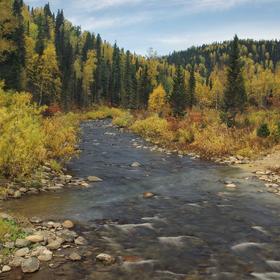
(231, 186)
(22, 252)
(38, 251)
(17, 194)
(36, 238)
(16, 262)
(45, 256)
(80, 241)
(23, 190)
(94, 179)
(35, 220)
(135, 164)
(30, 265)
(68, 224)
(55, 244)
(148, 194)
(21, 243)
(67, 235)
(75, 257)
(9, 245)
(105, 259)
(6, 268)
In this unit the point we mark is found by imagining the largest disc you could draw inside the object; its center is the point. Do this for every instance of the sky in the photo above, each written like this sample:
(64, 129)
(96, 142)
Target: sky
(168, 25)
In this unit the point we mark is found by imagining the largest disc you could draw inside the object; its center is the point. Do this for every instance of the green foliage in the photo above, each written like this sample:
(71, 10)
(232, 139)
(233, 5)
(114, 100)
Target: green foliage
(235, 96)
(263, 130)
(178, 96)
(10, 231)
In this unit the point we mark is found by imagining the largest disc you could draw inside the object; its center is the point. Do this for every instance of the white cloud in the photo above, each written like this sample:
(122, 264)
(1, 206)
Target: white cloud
(96, 5)
(95, 23)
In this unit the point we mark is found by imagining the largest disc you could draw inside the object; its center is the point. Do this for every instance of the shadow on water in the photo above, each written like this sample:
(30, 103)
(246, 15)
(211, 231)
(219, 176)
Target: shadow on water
(193, 229)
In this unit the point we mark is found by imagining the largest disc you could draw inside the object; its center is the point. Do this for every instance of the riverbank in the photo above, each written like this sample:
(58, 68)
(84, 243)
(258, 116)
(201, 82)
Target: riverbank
(184, 137)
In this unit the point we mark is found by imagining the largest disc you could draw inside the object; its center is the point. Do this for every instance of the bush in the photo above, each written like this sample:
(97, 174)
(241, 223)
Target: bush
(263, 131)
(153, 127)
(103, 112)
(22, 139)
(27, 139)
(61, 136)
(186, 136)
(125, 120)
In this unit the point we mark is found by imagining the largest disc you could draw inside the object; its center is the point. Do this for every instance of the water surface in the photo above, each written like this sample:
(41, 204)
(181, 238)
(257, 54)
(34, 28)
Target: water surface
(194, 228)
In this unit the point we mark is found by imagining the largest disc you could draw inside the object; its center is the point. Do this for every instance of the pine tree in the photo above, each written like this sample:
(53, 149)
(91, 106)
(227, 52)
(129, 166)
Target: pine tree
(235, 96)
(191, 89)
(178, 95)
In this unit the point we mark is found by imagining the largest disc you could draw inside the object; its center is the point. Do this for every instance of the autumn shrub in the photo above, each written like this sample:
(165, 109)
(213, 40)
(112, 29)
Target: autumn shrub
(153, 127)
(28, 139)
(22, 139)
(61, 136)
(103, 112)
(125, 120)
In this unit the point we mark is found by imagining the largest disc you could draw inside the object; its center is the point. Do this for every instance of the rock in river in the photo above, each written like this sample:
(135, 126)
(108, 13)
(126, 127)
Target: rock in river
(80, 241)
(148, 194)
(6, 268)
(94, 179)
(68, 224)
(30, 265)
(135, 164)
(75, 257)
(105, 259)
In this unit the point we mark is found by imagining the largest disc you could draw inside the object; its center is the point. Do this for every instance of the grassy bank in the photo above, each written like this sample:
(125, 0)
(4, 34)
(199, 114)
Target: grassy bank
(201, 132)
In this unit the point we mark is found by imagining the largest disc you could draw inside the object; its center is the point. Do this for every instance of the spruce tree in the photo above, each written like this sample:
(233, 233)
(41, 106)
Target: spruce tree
(191, 90)
(178, 95)
(235, 96)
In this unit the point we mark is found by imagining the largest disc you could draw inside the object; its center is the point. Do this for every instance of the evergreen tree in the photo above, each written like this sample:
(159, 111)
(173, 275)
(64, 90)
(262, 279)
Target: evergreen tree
(191, 89)
(116, 77)
(13, 69)
(178, 95)
(235, 96)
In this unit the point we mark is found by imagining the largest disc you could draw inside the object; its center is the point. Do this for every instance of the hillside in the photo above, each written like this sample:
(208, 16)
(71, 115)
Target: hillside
(45, 54)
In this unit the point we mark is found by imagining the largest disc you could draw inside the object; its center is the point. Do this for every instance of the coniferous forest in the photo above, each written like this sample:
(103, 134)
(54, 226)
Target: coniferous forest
(43, 53)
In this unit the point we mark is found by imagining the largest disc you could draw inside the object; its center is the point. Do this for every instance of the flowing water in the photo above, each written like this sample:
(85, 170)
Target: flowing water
(194, 228)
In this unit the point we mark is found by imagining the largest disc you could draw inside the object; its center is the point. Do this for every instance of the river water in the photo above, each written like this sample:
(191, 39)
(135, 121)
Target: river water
(194, 228)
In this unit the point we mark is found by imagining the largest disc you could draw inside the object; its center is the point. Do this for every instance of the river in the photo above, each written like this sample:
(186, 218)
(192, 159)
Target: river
(193, 229)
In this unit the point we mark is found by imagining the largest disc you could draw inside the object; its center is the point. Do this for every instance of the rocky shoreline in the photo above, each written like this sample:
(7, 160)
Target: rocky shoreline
(49, 181)
(46, 243)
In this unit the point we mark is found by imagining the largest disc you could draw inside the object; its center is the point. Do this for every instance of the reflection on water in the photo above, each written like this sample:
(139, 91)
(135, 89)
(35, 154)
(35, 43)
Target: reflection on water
(193, 229)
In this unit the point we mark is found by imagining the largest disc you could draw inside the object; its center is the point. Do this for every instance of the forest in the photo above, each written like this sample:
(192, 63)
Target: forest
(43, 53)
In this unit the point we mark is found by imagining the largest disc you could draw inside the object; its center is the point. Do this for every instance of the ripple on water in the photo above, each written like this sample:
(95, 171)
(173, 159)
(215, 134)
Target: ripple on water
(241, 247)
(130, 227)
(267, 276)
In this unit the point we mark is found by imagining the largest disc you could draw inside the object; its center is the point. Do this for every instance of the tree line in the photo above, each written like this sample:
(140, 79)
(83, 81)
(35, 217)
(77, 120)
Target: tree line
(45, 54)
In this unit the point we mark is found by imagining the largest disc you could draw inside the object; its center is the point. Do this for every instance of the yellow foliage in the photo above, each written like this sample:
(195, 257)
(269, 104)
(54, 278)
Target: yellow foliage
(27, 140)
(157, 100)
(123, 121)
(154, 128)
(60, 135)
(22, 140)
(104, 112)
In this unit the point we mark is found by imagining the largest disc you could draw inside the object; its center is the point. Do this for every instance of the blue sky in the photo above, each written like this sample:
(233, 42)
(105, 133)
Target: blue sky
(168, 25)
